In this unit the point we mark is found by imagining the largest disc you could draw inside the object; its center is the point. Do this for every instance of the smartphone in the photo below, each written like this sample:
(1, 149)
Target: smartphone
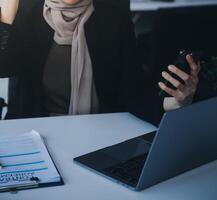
(182, 63)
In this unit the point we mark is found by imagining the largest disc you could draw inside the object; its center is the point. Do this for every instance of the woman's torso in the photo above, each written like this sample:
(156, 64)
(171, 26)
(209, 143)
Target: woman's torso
(103, 30)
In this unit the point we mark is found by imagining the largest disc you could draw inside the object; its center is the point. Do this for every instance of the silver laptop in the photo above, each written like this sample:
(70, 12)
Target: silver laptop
(186, 139)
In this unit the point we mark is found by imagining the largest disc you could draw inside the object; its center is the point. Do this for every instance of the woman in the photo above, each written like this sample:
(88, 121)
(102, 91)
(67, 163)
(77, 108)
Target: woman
(76, 57)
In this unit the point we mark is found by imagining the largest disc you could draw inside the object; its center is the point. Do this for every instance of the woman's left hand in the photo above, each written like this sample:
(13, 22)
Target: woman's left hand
(184, 93)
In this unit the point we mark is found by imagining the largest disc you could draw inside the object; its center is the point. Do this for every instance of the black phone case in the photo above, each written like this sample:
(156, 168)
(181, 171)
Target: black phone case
(182, 63)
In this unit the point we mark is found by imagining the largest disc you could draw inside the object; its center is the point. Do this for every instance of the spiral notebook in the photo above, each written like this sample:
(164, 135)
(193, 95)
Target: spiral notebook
(26, 163)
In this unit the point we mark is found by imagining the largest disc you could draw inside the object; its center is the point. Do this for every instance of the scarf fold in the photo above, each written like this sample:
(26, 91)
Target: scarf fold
(68, 23)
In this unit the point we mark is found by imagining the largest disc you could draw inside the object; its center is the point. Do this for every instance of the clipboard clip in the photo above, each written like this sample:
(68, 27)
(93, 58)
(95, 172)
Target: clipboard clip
(15, 188)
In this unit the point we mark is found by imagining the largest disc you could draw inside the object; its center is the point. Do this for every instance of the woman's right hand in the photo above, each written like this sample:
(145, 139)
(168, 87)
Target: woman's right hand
(9, 11)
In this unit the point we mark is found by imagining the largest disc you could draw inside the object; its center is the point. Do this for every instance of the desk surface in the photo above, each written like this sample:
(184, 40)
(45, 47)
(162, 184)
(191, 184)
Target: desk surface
(148, 5)
(68, 137)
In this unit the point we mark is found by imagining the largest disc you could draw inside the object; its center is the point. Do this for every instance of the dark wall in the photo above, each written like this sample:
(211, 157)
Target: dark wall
(122, 3)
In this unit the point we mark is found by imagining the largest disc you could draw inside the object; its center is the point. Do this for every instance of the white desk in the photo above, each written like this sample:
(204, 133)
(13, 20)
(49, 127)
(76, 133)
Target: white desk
(68, 137)
(148, 5)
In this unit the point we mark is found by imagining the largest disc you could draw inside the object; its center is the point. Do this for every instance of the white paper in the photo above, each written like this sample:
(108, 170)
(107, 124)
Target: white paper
(23, 157)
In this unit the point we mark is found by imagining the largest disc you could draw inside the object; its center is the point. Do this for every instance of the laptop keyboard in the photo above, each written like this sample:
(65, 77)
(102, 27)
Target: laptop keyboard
(129, 170)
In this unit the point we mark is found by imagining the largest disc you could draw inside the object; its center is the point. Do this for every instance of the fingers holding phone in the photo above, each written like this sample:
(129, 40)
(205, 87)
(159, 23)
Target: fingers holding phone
(9, 11)
(182, 86)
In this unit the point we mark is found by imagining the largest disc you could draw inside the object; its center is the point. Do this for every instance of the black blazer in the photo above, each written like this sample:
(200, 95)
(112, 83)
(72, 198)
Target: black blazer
(120, 82)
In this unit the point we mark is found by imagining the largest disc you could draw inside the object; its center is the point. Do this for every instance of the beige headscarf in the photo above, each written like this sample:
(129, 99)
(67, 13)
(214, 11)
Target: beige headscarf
(68, 24)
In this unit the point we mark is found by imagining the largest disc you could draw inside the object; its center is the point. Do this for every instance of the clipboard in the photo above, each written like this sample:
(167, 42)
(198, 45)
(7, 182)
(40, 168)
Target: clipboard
(34, 182)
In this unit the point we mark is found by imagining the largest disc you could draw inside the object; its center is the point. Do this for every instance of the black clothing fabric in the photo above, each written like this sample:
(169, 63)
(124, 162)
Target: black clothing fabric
(121, 84)
(56, 79)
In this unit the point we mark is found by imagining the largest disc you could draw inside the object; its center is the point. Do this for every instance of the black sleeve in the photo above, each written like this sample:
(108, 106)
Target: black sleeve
(15, 49)
(16, 42)
(138, 91)
(5, 62)
(4, 36)
(5, 27)
(12, 50)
